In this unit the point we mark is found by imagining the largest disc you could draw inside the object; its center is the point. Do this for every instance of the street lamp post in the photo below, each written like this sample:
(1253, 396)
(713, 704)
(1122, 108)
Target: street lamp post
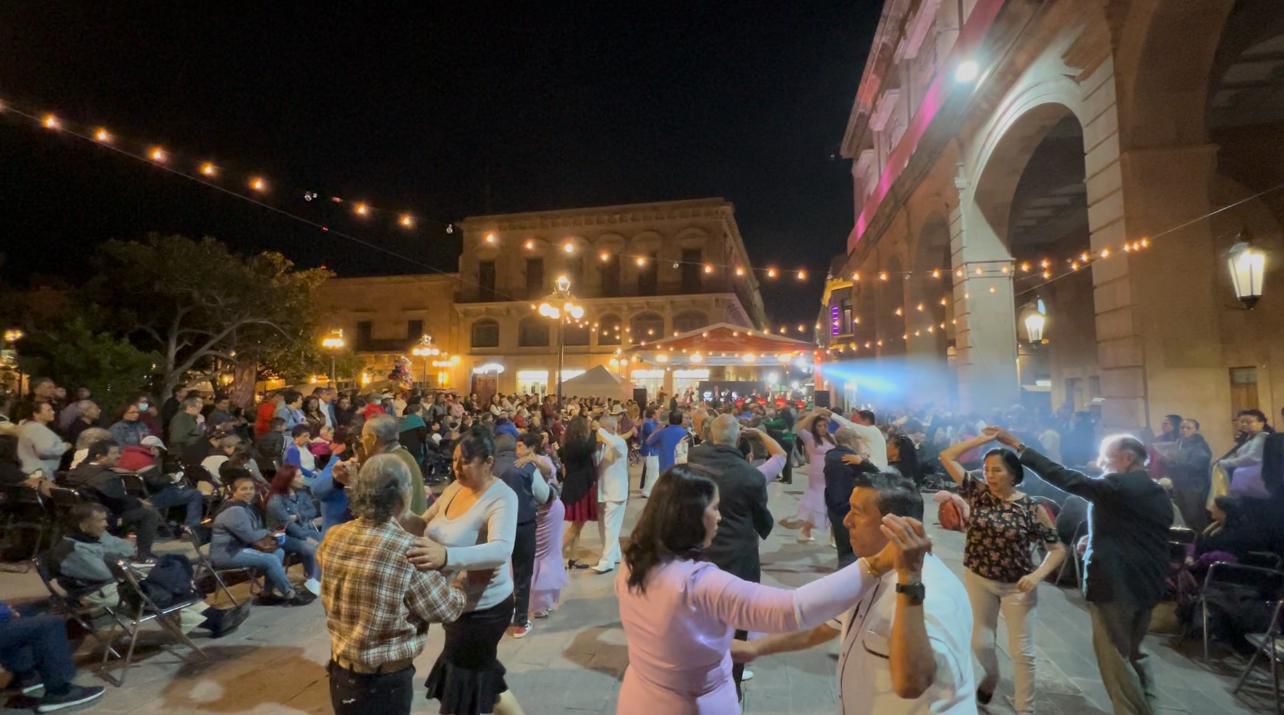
(333, 343)
(426, 350)
(1247, 265)
(561, 307)
(12, 336)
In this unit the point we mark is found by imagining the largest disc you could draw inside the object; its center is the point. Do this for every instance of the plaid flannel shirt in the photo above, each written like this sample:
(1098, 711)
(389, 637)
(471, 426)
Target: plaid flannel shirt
(377, 605)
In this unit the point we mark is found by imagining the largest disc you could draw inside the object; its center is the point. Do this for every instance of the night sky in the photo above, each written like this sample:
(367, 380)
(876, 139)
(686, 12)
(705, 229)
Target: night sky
(444, 109)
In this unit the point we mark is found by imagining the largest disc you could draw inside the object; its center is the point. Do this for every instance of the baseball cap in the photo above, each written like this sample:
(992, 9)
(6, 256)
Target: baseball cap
(152, 440)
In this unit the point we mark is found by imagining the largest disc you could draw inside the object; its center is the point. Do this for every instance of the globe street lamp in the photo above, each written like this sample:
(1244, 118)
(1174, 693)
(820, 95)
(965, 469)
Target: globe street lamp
(333, 343)
(1247, 268)
(426, 350)
(561, 307)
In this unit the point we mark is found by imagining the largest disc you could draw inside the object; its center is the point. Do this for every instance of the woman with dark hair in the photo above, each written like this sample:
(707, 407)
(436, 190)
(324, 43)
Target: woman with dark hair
(1004, 527)
(312, 415)
(472, 527)
(679, 612)
(579, 493)
(902, 454)
(813, 432)
(1169, 429)
(290, 507)
(1243, 464)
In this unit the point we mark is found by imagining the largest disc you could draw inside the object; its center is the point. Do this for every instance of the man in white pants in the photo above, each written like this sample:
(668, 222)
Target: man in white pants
(612, 490)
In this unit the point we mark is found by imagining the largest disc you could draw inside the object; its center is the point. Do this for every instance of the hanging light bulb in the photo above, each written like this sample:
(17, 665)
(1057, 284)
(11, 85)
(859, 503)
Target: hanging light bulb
(708, 268)
(208, 169)
(406, 221)
(361, 209)
(50, 121)
(740, 271)
(102, 136)
(802, 274)
(258, 184)
(157, 154)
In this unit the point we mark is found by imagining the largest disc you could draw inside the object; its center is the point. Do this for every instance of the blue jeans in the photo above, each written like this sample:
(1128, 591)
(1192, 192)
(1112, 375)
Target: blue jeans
(307, 552)
(272, 564)
(173, 496)
(38, 644)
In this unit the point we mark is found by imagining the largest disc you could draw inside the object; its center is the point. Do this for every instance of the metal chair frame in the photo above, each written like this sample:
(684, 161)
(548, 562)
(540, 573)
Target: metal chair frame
(1275, 587)
(204, 565)
(19, 503)
(131, 624)
(1262, 642)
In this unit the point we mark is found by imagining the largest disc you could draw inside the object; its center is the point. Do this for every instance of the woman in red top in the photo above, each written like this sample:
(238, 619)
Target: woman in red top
(264, 414)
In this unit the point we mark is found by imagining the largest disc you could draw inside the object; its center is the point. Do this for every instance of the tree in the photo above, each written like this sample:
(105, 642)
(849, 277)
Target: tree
(200, 306)
(76, 355)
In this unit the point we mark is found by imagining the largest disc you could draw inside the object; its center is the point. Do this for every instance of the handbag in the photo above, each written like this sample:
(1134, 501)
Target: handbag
(267, 544)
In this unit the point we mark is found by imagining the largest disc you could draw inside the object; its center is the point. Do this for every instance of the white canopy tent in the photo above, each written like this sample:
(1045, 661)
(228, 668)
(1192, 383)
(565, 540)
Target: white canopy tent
(597, 382)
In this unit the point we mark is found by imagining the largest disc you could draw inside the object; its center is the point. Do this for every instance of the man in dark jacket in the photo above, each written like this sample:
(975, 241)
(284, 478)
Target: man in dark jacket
(95, 479)
(1126, 560)
(742, 501)
(843, 463)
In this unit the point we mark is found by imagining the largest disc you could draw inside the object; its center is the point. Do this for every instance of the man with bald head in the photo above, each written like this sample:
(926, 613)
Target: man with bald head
(742, 501)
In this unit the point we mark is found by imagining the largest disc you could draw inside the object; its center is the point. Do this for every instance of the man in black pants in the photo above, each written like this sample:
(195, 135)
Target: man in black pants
(843, 463)
(531, 490)
(742, 501)
(35, 650)
(96, 478)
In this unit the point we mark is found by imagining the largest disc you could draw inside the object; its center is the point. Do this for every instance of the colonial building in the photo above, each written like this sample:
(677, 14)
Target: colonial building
(640, 271)
(1059, 165)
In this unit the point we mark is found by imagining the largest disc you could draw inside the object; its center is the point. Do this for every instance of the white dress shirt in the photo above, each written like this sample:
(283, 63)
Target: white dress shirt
(612, 461)
(864, 672)
(875, 440)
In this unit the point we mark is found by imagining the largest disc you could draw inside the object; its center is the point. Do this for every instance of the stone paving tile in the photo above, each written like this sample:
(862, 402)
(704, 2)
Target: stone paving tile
(573, 661)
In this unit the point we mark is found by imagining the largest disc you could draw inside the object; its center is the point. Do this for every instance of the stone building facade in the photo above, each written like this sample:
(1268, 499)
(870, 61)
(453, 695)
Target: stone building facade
(1068, 158)
(639, 270)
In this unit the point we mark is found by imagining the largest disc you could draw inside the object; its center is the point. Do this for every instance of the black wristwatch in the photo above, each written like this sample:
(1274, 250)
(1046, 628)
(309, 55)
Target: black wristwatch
(916, 592)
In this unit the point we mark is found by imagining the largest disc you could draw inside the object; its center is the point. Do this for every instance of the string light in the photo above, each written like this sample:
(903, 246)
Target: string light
(856, 276)
(491, 239)
(641, 261)
(802, 274)
(740, 271)
(50, 121)
(102, 136)
(361, 209)
(258, 184)
(208, 169)
(157, 154)
(568, 247)
(708, 268)
(772, 273)
(406, 221)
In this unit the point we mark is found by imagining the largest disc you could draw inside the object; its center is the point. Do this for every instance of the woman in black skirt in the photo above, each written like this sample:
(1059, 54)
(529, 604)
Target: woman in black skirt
(471, 527)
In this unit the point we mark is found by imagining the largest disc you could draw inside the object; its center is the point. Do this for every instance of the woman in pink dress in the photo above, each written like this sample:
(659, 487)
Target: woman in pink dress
(813, 431)
(679, 613)
(549, 575)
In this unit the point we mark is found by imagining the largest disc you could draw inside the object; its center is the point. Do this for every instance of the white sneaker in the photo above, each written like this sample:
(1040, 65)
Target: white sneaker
(313, 585)
(604, 568)
(746, 675)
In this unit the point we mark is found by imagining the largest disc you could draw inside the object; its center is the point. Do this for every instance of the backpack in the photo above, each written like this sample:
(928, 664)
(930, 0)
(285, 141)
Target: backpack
(169, 582)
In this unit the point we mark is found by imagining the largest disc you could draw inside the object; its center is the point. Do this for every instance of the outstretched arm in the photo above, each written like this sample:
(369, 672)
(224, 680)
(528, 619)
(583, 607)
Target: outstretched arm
(950, 455)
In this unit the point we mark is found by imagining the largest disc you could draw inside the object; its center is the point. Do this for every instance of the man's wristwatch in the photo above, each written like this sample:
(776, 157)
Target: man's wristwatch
(915, 591)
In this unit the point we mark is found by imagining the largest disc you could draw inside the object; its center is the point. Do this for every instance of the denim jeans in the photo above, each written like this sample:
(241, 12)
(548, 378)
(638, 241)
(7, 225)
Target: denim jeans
(358, 694)
(307, 552)
(173, 496)
(38, 644)
(272, 564)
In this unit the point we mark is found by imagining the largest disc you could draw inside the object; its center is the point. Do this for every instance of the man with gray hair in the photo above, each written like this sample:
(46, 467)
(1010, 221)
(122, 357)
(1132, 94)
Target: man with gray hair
(381, 435)
(742, 501)
(612, 460)
(377, 604)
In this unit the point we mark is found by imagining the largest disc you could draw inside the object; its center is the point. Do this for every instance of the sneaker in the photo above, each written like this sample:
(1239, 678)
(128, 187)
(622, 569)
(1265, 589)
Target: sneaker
(746, 675)
(313, 585)
(141, 560)
(604, 568)
(540, 614)
(72, 698)
(300, 598)
(25, 684)
(523, 630)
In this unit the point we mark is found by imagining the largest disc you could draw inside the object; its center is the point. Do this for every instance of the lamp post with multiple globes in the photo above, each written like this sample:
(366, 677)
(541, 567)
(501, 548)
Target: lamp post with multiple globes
(426, 350)
(561, 308)
(333, 343)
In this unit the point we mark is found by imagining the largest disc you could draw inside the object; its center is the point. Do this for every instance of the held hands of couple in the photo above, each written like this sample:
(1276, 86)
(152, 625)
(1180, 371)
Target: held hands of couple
(907, 544)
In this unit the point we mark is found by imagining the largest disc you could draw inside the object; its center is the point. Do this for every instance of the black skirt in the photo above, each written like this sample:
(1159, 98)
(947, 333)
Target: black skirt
(468, 677)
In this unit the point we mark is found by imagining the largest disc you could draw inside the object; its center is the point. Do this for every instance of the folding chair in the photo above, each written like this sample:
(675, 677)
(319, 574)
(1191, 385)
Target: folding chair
(1268, 583)
(135, 485)
(204, 566)
(1267, 644)
(26, 510)
(130, 620)
(67, 602)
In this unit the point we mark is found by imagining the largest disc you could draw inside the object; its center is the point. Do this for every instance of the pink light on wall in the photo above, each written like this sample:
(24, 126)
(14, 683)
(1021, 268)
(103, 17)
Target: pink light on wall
(969, 41)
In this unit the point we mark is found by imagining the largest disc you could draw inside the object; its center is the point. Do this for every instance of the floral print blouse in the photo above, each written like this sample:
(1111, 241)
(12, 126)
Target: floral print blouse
(1001, 533)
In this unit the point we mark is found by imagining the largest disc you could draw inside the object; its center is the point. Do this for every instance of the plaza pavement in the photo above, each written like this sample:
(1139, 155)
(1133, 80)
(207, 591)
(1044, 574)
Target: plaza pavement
(573, 661)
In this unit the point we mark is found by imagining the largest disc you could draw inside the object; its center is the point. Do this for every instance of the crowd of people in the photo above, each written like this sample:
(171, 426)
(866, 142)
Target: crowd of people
(406, 508)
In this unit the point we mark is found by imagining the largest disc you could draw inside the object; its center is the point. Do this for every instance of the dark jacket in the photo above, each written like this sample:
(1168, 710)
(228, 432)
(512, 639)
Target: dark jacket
(742, 500)
(1190, 464)
(236, 526)
(101, 484)
(519, 479)
(1128, 521)
(577, 458)
(840, 479)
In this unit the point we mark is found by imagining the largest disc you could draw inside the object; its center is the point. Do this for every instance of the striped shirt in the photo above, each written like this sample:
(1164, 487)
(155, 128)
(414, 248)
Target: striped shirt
(377, 605)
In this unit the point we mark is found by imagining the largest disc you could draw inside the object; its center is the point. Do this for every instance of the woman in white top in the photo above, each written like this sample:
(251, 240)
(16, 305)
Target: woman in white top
(471, 527)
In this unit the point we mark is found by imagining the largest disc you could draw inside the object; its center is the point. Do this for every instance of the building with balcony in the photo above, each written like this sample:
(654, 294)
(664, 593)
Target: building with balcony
(1088, 163)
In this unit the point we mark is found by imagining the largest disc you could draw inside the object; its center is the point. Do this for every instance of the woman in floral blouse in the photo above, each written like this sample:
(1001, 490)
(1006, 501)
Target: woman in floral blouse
(1001, 576)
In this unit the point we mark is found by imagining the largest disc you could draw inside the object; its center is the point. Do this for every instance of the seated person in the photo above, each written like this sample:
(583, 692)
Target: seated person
(95, 480)
(11, 474)
(269, 449)
(237, 528)
(36, 651)
(140, 457)
(86, 438)
(212, 453)
(243, 460)
(80, 564)
(320, 445)
(290, 507)
(297, 452)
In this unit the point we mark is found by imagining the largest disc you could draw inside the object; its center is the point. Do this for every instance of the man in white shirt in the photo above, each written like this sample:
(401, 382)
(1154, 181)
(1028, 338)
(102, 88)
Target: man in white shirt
(612, 490)
(906, 645)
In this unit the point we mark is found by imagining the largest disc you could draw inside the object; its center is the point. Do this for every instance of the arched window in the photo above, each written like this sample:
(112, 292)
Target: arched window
(532, 332)
(609, 328)
(647, 326)
(485, 334)
(689, 320)
(575, 335)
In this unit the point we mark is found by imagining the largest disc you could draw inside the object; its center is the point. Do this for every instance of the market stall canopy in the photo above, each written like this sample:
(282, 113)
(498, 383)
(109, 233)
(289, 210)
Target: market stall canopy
(597, 382)
(724, 344)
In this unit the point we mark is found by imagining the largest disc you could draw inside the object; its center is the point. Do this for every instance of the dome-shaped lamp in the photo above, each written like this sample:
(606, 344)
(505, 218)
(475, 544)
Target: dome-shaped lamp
(1247, 269)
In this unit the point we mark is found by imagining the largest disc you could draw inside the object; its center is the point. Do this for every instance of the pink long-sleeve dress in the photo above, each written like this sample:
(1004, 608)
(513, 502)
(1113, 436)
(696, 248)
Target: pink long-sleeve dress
(679, 631)
(811, 508)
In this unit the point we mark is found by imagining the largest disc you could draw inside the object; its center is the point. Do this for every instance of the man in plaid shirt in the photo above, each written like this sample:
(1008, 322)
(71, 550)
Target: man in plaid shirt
(378, 606)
